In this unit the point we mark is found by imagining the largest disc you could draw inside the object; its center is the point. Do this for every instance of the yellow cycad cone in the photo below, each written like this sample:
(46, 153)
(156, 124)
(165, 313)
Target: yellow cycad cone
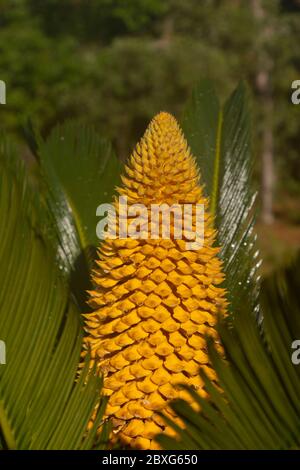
(155, 300)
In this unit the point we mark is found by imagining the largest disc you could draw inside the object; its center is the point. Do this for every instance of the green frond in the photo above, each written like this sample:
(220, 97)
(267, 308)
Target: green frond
(220, 137)
(79, 172)
(42, 404)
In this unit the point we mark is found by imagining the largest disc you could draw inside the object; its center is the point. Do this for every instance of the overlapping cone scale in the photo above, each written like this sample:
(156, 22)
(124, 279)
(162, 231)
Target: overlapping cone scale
(154, 300)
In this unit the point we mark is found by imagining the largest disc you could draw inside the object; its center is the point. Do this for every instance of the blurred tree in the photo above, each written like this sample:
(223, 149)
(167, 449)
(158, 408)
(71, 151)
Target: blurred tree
(117, 62)
(97, 20)
(41, 74)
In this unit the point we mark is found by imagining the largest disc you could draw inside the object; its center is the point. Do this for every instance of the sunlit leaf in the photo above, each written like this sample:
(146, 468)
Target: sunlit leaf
(220, 138)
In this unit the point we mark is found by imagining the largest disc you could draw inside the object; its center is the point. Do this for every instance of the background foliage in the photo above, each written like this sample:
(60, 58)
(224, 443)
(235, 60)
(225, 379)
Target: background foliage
(118, 62)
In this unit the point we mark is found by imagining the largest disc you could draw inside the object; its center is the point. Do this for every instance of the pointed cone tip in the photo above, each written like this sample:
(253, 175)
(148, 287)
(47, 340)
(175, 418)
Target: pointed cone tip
(164, 116)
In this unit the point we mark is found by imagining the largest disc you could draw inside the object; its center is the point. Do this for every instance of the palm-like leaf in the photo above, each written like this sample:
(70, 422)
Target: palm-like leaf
(258, 407)
(221, 140)
(80, 171)
(42, 406)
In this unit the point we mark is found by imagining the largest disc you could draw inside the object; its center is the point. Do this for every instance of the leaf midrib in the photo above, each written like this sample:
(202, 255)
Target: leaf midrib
(6, 429)
(216, 171)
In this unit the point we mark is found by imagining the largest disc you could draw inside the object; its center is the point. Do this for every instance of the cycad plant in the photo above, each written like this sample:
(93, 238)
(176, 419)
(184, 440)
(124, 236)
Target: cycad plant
(152, 318)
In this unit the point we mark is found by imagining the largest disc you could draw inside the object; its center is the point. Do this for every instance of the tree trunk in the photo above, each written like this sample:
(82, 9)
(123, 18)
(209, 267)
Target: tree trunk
(264, 88)
(268, 172)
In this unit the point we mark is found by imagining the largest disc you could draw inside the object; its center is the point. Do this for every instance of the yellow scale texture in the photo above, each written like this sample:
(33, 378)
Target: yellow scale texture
(154, 300)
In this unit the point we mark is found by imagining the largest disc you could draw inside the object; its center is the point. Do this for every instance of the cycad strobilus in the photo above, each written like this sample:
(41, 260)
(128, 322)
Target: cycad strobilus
(154, 300)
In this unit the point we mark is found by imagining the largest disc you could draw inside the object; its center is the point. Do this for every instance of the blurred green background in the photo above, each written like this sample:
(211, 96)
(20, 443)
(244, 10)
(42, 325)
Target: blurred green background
(115, 63)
